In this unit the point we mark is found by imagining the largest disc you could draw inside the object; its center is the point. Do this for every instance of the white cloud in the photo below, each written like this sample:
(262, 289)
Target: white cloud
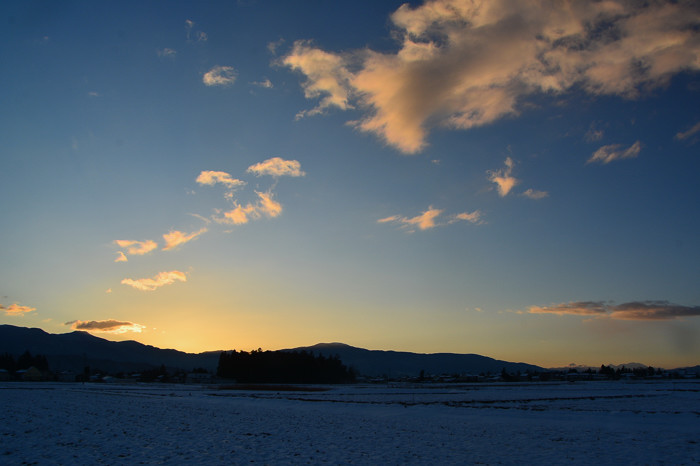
(209, 177)
(176, 238)
(220, 76)
(167, 53)
(106, 326)
(607, 154)
(136, 248)
(15, 309)
(503, 179)
(161, 279)
(266, 83)
(465, 64)
(277, 166)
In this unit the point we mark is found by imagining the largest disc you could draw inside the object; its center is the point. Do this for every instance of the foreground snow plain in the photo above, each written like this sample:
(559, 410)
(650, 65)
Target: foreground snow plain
(535, 423)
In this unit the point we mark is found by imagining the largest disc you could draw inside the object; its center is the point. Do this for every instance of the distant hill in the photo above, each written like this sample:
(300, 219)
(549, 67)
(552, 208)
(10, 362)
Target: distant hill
(73, 351)
(375, 363)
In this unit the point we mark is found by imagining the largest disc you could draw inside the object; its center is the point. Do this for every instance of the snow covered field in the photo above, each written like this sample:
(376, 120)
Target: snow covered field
(558, 423)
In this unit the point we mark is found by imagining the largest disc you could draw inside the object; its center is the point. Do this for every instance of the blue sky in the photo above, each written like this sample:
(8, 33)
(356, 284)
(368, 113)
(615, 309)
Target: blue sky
(509, 180)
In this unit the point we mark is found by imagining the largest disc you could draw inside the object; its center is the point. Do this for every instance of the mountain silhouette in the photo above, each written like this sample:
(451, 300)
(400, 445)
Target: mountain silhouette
(73, 351)
(376, 363)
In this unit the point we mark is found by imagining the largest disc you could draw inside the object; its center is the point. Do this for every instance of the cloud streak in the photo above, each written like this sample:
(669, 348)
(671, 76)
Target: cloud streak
(136, 248)
(607, 154)
(15, 309)
(220, 76)
(106, 326)
(176, 238)
(635, 310)
(277, 166)
(686, 134)
(428, 219)
(466, 64)
(210, 178)
(152, 284)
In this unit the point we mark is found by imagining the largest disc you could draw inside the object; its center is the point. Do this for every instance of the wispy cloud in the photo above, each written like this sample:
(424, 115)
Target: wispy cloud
(192, 35)
(136, 248)
(503, 178)
(428, 219)
(209, 177)
(266, 206)
(220, 76)
(686, 134)
(121, 257)
(106, 326)
(327, 77)
(265, 83)
(15, 309)
(166, 53)
(151, 284)
(534, 194)
(466, 64)
(277, 166)
(607, 154)
(176, 238)
(635, 310)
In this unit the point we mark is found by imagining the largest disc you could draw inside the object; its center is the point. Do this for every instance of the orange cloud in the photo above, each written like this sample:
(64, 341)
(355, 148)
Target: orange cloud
(636, 310)
(151, 284)
(210, 178)
(266, 205)
(137, 248)
(121, 257)
(503, 178)
(175, 238)
(466, 64)
(106, 326)
(220, 76)
(277, 166)
(424, 221)
(16, 309)
(607, 154)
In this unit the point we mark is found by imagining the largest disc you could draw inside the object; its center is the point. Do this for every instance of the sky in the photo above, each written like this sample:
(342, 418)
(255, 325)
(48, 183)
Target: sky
(517, 179)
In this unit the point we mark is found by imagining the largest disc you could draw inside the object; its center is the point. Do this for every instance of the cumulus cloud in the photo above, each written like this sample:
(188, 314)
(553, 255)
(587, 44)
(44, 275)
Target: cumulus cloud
(151, 284)
(15, 309)
(607, 154)
(686, 134)
(277, 166)
(327, 77)
(220, 76)
(534, 194)
(210, 178)
(266, 206)
(636, 310)
(106, 326)
(136, 248)
(175, 238)
(503, 178)
(466, 64)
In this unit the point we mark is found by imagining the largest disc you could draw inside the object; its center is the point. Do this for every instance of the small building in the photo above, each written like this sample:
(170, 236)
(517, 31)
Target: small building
(32, 374)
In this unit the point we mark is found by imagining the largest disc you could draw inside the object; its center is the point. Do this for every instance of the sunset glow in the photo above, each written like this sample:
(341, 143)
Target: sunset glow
(512, 179)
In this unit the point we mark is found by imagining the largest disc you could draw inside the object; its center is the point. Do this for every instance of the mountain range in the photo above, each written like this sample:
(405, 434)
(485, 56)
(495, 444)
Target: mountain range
(75, 350)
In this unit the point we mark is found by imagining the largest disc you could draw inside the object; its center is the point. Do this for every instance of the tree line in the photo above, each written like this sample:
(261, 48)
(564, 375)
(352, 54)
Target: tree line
(260, 366)
(23, 362)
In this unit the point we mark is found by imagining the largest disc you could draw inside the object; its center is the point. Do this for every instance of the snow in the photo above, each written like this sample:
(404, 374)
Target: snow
(573, 423)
